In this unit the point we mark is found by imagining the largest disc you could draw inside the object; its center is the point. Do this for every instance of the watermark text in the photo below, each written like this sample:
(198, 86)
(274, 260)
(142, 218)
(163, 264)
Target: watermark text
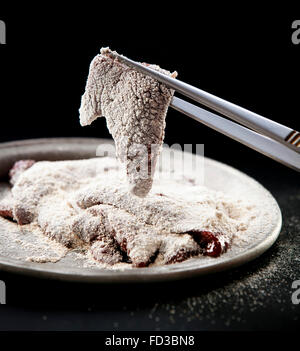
(2, 293)
(296, 32)
(170, 162)
(296, 293)
(2, 32)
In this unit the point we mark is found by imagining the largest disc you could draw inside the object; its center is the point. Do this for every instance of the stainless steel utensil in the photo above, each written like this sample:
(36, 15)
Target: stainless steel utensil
(268, 137)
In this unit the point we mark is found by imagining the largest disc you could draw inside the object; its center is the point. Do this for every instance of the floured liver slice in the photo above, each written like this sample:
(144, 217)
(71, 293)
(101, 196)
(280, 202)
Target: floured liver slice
(7, 204)
(85, 205)
(18, 168)
(6, 208)
(211, 229)
(166, 213)
(135, 108)
(138, 241)
(106, 251)
(46, 179)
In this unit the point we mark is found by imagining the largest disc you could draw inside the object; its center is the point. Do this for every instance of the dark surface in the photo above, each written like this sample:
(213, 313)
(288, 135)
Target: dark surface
(247, 58)
(256, 296)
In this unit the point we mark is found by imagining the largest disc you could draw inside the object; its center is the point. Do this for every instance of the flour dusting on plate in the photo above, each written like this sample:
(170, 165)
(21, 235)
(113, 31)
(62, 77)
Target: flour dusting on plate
(83, 209)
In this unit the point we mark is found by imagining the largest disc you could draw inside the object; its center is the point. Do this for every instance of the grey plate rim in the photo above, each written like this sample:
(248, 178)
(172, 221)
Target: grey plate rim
(137, 275)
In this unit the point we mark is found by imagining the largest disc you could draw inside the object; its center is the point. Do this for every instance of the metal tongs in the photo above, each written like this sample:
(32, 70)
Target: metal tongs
(261, 134)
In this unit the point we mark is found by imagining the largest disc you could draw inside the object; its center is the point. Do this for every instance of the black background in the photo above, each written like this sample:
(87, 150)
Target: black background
(247, 59)
(243, 56)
